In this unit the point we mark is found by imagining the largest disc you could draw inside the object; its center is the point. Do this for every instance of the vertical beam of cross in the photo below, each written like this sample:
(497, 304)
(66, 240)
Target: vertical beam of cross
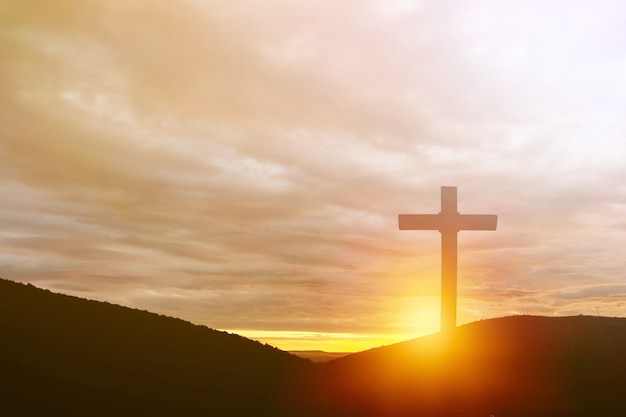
(449, 222)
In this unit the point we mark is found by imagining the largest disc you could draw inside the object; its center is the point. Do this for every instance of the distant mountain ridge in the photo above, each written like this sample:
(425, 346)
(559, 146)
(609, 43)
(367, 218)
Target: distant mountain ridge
(67, 356)
(319, 356)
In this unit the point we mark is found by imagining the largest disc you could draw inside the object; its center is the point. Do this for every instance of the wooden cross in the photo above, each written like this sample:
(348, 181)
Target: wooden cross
(448, 222)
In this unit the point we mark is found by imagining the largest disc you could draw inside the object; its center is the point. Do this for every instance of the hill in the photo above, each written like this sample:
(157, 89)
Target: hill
(512, 366)
(62, 355)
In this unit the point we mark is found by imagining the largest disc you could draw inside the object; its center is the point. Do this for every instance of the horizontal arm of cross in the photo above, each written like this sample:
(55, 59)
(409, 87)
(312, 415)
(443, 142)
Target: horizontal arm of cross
(419, 221)
(447, 221)
(478, 221)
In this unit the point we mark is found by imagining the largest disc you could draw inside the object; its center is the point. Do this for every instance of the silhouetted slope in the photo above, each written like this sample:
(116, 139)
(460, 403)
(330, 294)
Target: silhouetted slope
(513, 366)
(62, 355)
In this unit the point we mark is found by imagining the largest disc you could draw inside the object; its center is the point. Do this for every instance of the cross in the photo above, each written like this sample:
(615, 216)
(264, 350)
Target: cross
(448, 221)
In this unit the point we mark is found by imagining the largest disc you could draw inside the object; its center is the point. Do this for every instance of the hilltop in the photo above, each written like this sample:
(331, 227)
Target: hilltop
(511, 366)
(63, 355)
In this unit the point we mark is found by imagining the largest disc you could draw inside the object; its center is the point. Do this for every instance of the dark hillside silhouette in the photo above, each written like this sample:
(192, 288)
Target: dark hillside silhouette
(66, 356)
(513, 366)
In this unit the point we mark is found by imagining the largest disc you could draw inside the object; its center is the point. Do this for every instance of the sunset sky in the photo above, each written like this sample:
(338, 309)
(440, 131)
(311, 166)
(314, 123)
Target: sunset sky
(241, 164)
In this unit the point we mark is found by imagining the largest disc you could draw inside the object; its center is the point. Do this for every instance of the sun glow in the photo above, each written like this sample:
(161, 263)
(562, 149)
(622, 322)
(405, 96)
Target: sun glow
(416, 316)
(420, 315)
(328, 342)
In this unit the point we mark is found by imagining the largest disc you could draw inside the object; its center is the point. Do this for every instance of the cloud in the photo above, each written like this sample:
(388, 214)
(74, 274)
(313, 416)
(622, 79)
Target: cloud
(242, 164)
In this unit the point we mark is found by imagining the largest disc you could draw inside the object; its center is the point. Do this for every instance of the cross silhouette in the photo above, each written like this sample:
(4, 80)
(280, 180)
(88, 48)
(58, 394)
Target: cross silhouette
(448, 222)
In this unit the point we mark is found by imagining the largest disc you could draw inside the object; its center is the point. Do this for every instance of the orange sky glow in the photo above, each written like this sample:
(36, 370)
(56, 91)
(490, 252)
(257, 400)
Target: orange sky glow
(241, 164)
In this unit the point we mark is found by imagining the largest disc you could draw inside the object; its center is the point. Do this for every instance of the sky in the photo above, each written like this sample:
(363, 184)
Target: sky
(241, 164)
